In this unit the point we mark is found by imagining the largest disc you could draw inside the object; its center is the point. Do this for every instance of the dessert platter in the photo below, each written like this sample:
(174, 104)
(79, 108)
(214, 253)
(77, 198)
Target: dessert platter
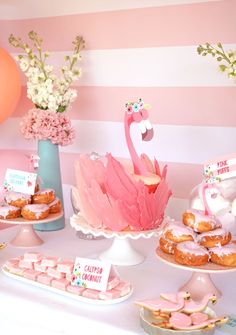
(179, 313)
(26, 210)
(55, 274)
(122, 199)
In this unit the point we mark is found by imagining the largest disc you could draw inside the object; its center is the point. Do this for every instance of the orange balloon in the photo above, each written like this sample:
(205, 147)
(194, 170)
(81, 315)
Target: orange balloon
(10, 85)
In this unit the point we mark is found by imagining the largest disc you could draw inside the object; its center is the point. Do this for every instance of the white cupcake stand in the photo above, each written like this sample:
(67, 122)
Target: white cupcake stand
(121, 252)
(200, 283)
(26, 236)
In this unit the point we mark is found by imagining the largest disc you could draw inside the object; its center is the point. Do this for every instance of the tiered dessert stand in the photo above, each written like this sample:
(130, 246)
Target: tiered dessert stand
(121, 252)
(26, 236)
(200, 282)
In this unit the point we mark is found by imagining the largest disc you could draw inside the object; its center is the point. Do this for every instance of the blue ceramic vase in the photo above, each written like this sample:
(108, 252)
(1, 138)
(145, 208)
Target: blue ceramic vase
(50, 176)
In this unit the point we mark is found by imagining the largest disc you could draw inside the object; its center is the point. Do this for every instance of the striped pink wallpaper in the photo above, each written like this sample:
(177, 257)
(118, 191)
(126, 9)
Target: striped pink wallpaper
(148, 53)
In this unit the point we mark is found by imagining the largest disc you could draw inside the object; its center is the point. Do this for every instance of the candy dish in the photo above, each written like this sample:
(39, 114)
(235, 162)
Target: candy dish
(146, 320)
(65, 293)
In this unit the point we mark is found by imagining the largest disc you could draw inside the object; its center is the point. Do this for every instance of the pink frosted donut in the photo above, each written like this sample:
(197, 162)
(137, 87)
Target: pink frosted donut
(35, 212)
(191, 254)
(177, 232)
(213, 238)
(9, 212)
(44, 196)
(224, 255)
(199, 222)
(55, 206)
(17, 199)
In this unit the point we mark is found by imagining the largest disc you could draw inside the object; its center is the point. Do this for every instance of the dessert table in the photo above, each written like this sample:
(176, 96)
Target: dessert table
(28, 309)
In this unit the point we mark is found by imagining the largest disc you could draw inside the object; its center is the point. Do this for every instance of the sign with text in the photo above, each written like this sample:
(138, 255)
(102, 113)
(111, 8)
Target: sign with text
(223, 167)
(91, 273)
(20, 181)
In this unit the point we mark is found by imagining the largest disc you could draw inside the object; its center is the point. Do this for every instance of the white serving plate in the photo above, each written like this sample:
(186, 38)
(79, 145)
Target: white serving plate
(65, 293)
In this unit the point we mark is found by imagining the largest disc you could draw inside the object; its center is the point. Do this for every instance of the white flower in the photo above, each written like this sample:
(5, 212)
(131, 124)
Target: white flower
(24, 64)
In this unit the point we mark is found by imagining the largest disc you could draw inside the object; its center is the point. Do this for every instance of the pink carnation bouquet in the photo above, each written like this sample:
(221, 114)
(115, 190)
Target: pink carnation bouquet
(47, 125)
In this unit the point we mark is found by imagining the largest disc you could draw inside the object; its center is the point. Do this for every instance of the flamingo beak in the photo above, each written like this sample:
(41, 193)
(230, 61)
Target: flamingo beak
(187, 296)
(146, 130)
(214, 300)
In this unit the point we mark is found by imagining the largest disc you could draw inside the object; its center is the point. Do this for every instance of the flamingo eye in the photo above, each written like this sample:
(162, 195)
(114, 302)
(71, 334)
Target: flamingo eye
(129, 109)
(136, 107)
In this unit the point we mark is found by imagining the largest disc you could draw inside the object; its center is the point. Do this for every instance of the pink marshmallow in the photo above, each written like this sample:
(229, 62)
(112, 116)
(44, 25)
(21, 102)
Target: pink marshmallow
(43, 278)
(49, 261)
(91, 294)
(111, 294)
(123, 287)
(112, 282)
(65, 266)
(52, 272)
(61, 284)
(14, 269)
(70, 276)
(13, 261)
(75, 289)
(39, 267)
(33, 256)
(31, 274)
(26, 264)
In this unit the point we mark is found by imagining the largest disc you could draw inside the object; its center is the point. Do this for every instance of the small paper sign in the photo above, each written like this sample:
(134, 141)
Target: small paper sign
(221, 168)
(91, 273)
(20, 181)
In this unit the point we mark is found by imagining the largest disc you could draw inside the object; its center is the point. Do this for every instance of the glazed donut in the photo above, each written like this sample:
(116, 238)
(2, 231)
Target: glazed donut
(166, 245)
(225, 255)
(36, 189)
(44, 197)
(191, 254)
(9, 212)
(214, 238)
(17, 199)
(200, 222)
(55, 206)
(35, 211)
(178, 232)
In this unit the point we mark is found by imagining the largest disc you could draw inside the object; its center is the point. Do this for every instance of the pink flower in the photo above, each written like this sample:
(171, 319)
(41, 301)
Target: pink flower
(47, 125)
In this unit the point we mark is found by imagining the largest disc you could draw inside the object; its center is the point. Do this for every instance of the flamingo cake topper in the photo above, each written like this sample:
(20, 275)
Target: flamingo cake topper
(111, 196)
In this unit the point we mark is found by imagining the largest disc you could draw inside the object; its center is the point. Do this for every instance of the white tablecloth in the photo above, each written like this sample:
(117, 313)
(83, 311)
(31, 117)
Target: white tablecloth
(31, 310)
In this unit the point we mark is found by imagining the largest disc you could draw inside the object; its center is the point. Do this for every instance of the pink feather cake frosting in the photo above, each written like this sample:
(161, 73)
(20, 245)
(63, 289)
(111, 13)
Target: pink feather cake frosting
(115, 197)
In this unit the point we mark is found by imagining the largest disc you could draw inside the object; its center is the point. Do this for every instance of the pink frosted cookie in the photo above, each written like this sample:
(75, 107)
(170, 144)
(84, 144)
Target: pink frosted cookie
(123, 287)
(33, 256)
(198, 318)
(31, 274)
(60, 284)
(50, 261)
(91, 294)
(65, 266)
(53, 272)
(70, 276)
(75, 289)
(43, 278)
(26, 264)
(110, 294)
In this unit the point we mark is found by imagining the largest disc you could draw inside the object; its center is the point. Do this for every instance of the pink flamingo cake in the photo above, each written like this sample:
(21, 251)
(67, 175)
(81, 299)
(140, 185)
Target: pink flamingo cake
(112, 197)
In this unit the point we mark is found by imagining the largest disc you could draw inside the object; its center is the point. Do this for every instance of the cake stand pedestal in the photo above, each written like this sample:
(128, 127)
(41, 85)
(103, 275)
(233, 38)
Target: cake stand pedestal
(200, 282)
(26, 236)
(121, 252)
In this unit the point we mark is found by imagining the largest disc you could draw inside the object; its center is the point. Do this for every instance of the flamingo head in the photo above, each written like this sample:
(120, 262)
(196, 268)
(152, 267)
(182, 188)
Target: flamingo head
(136, 112)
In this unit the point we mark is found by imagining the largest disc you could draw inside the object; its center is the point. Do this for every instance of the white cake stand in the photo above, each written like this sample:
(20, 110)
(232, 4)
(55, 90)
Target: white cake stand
(26, 236)
(200, 283)
(121, 252)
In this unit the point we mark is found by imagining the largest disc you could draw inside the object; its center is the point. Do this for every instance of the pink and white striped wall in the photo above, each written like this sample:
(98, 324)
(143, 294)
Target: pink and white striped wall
(138, 49)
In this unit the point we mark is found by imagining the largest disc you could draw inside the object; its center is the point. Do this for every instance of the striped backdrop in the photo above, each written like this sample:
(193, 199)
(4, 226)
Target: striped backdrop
(147, 53)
